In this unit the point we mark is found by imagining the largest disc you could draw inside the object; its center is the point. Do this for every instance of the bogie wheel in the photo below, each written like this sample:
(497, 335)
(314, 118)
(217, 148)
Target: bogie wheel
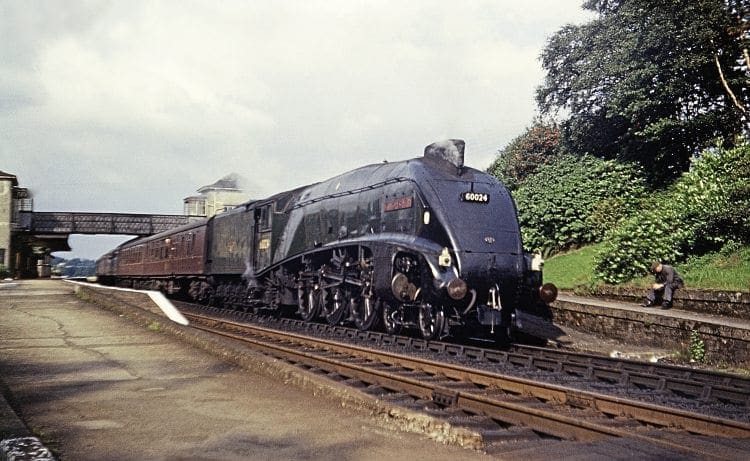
(335, 306)
(391, 321)
(431, 321)
(309, 302)
(366, 313)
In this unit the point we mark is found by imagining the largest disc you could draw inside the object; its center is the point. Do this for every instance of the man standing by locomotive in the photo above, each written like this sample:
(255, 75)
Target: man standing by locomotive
(667, 280)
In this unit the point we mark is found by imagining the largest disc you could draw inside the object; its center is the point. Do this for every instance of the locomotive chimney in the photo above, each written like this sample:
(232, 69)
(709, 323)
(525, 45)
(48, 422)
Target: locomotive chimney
(450, 150)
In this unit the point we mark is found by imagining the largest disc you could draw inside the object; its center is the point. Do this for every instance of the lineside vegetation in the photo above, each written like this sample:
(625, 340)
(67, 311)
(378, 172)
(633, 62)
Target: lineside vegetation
(651, 160)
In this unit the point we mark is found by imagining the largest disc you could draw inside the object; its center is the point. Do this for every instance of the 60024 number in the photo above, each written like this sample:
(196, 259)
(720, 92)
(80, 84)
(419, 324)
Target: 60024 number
(475, 197)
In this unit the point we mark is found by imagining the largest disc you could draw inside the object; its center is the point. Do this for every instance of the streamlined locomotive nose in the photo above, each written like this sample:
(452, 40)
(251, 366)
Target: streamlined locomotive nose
(484, 270)
(491, 266)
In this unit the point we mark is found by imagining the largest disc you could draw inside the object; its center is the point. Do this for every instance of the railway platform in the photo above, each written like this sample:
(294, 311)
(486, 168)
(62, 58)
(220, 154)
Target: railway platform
(722, 340)
(93, 381)
(92, 384)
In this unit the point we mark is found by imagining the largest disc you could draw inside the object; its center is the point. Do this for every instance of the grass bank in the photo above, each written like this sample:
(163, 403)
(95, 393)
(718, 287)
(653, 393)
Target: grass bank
(728, 270)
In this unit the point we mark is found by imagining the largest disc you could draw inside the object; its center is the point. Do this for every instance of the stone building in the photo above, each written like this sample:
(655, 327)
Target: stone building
(215, 198)
(7, 183)
(13, 199)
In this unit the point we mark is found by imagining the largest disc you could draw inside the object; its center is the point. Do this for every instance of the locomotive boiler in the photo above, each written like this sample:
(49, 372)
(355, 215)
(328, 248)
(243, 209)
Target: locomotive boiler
(427, 244)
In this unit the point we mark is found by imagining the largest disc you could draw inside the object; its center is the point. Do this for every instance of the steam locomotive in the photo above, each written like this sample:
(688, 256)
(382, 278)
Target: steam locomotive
(426, 244)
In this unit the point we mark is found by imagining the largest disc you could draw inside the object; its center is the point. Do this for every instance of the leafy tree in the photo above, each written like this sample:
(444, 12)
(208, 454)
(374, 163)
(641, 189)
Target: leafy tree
(651, 81)
(73, 268)
(522, 156)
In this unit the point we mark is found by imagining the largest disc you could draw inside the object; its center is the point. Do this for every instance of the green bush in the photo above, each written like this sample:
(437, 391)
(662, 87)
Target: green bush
(733, 220)
(693, 216)
(575, 200)
(4, 272)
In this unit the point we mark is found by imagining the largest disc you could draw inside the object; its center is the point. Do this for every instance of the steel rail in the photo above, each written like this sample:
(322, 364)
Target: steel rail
(703, 385)
(479, 399)
(710, 378)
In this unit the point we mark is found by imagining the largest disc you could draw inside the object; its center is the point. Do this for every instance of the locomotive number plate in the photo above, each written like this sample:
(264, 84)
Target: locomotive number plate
(475, 197)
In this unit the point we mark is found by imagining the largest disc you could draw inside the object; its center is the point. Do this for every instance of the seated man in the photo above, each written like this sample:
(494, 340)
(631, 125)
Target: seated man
(667, 281)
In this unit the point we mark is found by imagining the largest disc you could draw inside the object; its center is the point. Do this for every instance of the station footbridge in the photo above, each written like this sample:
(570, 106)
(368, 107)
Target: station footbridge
(28, 238)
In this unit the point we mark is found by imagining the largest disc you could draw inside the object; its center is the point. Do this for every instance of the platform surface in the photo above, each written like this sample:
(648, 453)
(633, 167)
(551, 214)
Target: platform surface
(96, 386)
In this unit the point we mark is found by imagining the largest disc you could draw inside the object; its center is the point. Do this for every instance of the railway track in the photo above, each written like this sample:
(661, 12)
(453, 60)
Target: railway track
(721, 394)
(510, 412)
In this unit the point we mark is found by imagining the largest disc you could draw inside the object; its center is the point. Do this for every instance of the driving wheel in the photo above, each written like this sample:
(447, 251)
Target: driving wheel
(335, 306)
(309, 302)
(431, 321)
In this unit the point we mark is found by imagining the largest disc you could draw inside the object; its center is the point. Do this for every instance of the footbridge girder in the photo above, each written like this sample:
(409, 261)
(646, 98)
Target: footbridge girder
(96, 223)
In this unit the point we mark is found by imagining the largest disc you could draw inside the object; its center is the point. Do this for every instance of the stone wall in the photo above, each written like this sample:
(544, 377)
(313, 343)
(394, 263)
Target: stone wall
(725, 303)
(723, 344)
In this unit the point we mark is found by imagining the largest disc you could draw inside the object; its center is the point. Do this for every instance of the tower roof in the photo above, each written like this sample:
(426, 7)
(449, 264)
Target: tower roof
(228, 182)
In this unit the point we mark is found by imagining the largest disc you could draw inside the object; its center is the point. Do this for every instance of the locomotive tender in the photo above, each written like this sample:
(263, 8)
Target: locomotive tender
(425, 243)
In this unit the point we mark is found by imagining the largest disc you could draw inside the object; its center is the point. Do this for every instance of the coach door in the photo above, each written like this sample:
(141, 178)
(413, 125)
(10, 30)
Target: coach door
(262, 237)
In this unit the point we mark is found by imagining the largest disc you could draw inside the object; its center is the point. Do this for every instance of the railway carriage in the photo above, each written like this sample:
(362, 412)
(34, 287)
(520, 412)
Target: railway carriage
(425, 243)
(165, 261)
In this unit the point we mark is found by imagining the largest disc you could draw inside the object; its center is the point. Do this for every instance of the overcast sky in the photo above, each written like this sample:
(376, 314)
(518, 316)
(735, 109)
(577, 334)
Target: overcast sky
(130, 106)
